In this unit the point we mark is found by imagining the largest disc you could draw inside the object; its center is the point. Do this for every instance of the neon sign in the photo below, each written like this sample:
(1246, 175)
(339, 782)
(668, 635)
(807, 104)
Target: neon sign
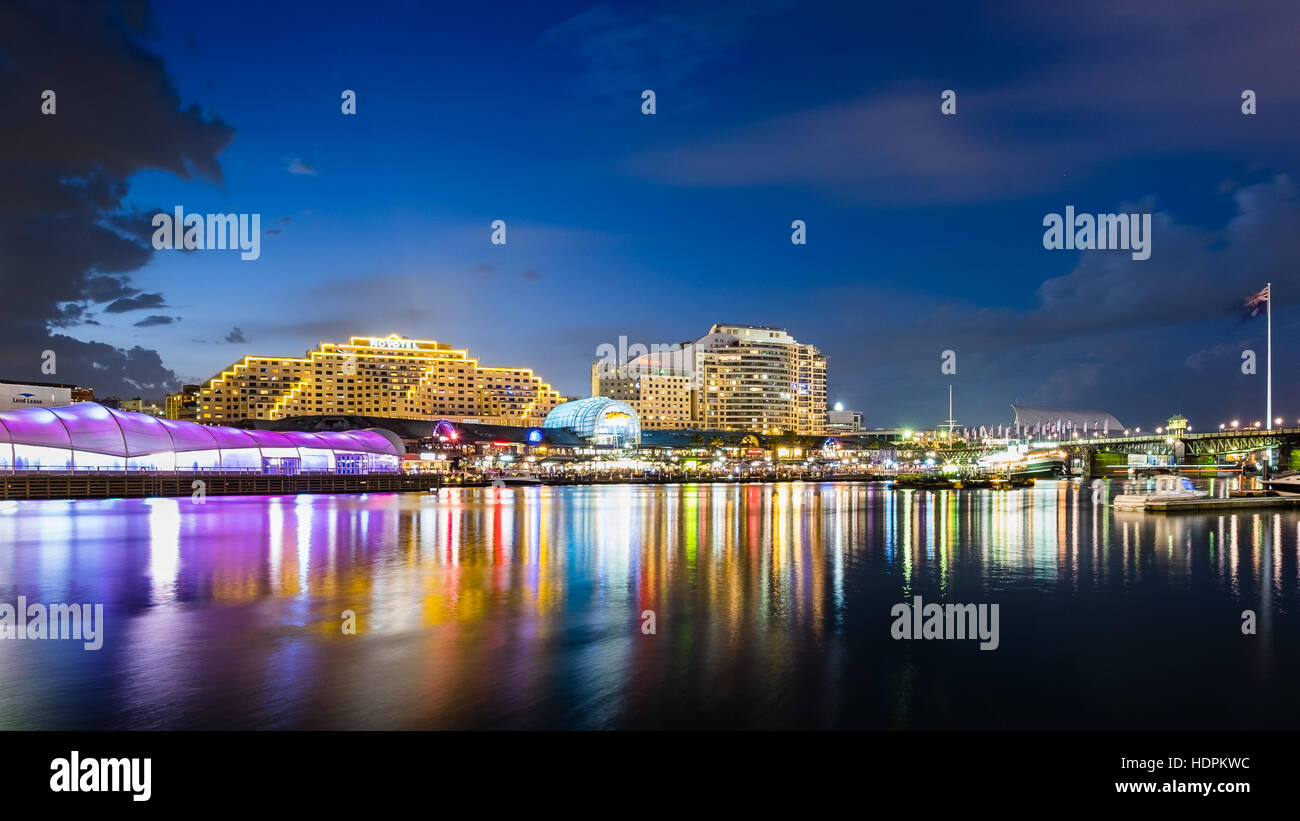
(400, 344)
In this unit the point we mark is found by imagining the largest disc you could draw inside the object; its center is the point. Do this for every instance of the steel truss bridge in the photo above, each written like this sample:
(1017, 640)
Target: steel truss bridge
(1218, 443)
(1182, 447)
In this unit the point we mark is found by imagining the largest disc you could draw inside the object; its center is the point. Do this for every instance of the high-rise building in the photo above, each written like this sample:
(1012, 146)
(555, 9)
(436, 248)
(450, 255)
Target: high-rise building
(372, 376)
(736, 377)
(762, 379)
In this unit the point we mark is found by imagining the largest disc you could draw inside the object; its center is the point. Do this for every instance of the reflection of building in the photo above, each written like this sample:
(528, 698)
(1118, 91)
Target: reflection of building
(390, 377)
(599, 421)
(736, 377)
(87, 437)
(184, 404)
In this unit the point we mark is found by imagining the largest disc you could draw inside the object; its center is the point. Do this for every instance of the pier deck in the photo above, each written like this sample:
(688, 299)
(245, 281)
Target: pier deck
(1231, 503)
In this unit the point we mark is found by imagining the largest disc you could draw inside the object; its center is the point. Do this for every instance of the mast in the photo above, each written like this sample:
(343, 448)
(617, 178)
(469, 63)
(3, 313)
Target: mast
(1268, 402)
(951, 422)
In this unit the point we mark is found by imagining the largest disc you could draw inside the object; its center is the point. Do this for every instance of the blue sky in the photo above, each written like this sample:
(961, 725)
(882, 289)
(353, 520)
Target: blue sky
(924, 231)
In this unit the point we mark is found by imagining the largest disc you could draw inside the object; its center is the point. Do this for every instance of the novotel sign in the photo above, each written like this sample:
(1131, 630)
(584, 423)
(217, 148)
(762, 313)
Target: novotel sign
(400, 344)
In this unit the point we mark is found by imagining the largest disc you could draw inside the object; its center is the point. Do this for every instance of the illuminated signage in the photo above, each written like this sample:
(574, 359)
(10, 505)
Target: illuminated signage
(400, 344)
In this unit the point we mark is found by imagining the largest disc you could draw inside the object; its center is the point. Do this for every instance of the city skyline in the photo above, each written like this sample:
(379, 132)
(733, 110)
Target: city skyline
(678, 365)
(924, 231)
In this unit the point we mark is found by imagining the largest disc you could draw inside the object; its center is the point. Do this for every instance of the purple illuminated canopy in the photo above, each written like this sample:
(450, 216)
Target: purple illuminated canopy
(93, 428)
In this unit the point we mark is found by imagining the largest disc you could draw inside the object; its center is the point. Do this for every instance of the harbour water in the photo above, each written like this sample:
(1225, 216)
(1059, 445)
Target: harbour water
(527, 608)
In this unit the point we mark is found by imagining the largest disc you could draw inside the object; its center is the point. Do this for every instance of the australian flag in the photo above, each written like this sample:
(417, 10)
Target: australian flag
(1258, 302)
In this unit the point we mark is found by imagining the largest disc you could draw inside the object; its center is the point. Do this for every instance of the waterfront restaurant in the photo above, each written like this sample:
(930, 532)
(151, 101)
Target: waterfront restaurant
(493, 448)
(599, 436)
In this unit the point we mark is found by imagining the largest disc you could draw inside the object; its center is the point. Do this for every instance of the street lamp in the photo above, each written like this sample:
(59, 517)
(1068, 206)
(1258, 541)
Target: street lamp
(1221, 426)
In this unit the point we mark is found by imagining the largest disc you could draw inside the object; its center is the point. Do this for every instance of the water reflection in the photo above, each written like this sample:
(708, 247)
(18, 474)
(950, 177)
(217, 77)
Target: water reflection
(522, 607)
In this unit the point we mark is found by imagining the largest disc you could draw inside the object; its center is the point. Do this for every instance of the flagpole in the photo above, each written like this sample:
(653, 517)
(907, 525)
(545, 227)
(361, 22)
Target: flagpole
(1268, 420)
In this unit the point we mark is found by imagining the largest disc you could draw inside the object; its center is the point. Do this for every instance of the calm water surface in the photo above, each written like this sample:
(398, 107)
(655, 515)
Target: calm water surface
(521, 608)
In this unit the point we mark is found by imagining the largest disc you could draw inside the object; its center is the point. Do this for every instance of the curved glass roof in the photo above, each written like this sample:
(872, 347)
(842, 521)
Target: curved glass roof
(92, 428)
(599, 419)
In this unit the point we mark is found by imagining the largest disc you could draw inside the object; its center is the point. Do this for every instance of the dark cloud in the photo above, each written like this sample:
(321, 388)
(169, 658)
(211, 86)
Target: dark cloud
(135, 303)
(66, 238)
(103, 289)
(154, 320)
(531, 275)
(109, 370)
(236, 336)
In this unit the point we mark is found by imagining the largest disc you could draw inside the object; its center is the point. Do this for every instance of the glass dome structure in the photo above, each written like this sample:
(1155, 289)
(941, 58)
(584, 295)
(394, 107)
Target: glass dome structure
(599, 421)
(90, 437)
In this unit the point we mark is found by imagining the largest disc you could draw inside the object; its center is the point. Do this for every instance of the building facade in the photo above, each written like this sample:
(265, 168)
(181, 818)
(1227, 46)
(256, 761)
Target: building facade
(736, 377)
(840, 421)
(14, 395)
(387, 377)
(663, 395)
(138, 405)
(184, 404)
(760, 379)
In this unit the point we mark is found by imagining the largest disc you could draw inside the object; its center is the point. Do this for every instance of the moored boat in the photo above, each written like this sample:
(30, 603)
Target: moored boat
(1285, 484)
(517, 480)
(1168, 488)
(1021, 462)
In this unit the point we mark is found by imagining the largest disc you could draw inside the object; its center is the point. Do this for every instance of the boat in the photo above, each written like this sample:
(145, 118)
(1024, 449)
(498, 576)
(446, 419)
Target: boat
(516, 480)
(1168, 488)
(1285, 484)
(1021, 462)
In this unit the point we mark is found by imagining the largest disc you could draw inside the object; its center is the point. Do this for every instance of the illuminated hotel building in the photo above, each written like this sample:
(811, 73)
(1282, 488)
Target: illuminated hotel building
(736, 377)
(662, 395)
(372, 376)
(761, 379)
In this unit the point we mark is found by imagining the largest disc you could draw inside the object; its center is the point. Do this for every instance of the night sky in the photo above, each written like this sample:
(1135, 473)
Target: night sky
(924, 231)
